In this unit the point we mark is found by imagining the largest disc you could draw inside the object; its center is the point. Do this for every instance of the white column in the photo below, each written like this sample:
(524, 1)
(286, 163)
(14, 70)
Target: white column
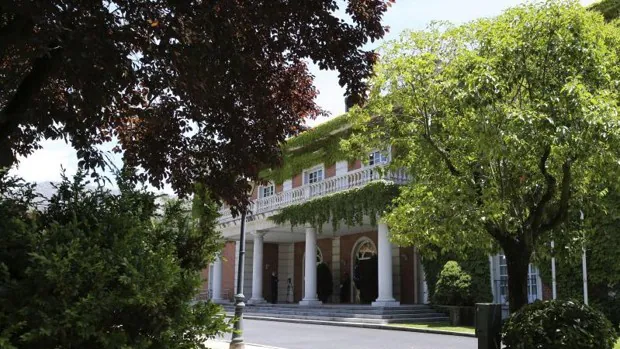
(310, 269)
(217, 280)
(386, 297)
(257, 270)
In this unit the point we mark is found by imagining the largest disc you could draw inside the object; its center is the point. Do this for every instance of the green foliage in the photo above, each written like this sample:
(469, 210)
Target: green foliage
(507, 123)
(453, 286)
(97, 270)
(349, 206)
(601, 236)
(475, 262)
(317, 145)
(610, 9)
(558, 325)
(325, 283)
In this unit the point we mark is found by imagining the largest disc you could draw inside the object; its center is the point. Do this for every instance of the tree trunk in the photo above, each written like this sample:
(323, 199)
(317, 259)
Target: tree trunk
(517, 261)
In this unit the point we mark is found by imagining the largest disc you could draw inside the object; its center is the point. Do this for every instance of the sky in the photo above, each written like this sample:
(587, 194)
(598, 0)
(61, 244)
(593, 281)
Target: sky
(45, 164)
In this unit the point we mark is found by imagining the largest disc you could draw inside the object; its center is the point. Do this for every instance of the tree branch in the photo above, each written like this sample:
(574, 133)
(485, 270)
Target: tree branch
(563, 205)
(533, 221)
(443, 154)
(17, 29)
(28, 88)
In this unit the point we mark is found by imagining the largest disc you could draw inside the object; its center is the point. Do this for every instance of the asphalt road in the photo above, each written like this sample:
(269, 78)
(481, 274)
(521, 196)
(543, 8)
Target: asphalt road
(303, 336)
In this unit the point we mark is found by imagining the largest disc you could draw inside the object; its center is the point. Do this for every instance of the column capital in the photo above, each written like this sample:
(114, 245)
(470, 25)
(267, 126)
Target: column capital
(259, 233)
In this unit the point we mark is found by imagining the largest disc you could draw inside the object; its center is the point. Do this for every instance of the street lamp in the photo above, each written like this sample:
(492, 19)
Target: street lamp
(237, 335)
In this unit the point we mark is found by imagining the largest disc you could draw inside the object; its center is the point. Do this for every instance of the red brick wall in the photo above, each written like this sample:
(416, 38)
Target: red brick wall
(407, 277)
(330, 171)
(270, 264)
(204, 275)
(228, 270)
(297, 181)
(355, 165)
(255, 192)
(278, 188)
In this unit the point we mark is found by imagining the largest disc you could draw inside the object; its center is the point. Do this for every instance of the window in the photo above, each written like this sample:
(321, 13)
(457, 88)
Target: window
(266, 191)
(313, 175)
(366, 250)
(377, 158)
(532, 281)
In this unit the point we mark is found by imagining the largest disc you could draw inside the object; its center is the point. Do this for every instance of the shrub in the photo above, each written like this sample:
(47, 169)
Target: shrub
(474, 261)
(325, 283)
(558, 325)
(453, 287)
(98, 270)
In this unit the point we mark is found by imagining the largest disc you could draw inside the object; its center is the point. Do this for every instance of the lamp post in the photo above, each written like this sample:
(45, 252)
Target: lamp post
(237, 335)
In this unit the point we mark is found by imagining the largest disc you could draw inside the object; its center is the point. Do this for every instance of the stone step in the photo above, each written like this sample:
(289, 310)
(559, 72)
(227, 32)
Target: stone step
(354, 320)
(358, 316)
(335, 311)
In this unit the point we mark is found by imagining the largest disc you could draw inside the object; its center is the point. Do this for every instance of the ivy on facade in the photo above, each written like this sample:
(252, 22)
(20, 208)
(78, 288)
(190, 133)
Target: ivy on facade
(348, 206)
(317, 145)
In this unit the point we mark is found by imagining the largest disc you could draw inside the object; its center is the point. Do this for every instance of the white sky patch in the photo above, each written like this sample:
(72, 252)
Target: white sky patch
(44, 165)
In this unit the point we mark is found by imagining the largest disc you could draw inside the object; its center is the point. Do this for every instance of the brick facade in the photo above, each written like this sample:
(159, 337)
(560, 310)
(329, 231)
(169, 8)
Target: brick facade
(228, 270)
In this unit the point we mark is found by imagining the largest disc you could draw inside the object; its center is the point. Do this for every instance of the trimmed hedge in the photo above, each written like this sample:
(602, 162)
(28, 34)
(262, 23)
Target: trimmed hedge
(558, 325)
(453, 286)
(475, 263)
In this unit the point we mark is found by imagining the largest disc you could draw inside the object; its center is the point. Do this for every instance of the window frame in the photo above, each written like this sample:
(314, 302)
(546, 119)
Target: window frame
(384, 156)
(262, 188)
(307, 172)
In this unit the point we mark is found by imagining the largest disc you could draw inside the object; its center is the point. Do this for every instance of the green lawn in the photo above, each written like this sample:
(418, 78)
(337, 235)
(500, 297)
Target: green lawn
(441, 326)
(617, 346)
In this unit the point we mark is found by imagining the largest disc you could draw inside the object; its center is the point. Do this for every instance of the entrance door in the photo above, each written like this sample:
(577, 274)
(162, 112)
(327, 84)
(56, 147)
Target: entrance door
(364, 273)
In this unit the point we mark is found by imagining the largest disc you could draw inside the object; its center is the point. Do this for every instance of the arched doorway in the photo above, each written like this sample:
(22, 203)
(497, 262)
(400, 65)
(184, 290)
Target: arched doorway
(319, 260)
(364, 271)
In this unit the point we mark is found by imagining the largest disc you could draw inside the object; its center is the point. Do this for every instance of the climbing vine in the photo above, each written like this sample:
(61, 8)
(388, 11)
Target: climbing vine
(317, 145)
(349, 207)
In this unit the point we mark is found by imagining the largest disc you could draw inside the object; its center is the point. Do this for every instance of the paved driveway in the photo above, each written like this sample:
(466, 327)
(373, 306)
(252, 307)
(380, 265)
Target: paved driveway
(303, 336)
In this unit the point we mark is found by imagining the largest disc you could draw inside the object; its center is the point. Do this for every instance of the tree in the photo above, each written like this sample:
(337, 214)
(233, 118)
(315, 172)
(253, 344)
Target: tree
(610, 9)
(97, 270)
(508, 125)
(194, 91)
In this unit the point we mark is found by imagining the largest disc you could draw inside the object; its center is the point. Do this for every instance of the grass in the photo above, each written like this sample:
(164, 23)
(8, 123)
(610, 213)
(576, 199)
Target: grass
(617, 346)
(442, 326)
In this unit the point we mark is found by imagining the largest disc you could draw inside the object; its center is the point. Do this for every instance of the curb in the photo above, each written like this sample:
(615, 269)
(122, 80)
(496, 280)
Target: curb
(250, 344)
(393, 327)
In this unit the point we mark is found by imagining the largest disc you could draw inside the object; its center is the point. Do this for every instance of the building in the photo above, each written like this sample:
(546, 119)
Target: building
(291, 252)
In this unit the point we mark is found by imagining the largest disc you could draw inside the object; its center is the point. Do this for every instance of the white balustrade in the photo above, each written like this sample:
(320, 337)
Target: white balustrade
(350, 180)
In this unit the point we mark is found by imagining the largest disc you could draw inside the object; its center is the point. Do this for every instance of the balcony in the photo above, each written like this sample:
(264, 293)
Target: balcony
(350, 180)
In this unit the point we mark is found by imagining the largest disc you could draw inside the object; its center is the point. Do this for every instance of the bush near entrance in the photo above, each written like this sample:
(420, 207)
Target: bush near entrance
(558, 325)
(474, 262)
(453, 286)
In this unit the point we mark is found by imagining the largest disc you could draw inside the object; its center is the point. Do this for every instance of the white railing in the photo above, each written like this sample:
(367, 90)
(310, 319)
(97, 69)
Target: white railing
(354, 179)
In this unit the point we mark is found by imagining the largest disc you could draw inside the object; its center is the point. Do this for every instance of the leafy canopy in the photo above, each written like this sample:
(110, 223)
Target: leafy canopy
(505, 123)
(193, 91)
